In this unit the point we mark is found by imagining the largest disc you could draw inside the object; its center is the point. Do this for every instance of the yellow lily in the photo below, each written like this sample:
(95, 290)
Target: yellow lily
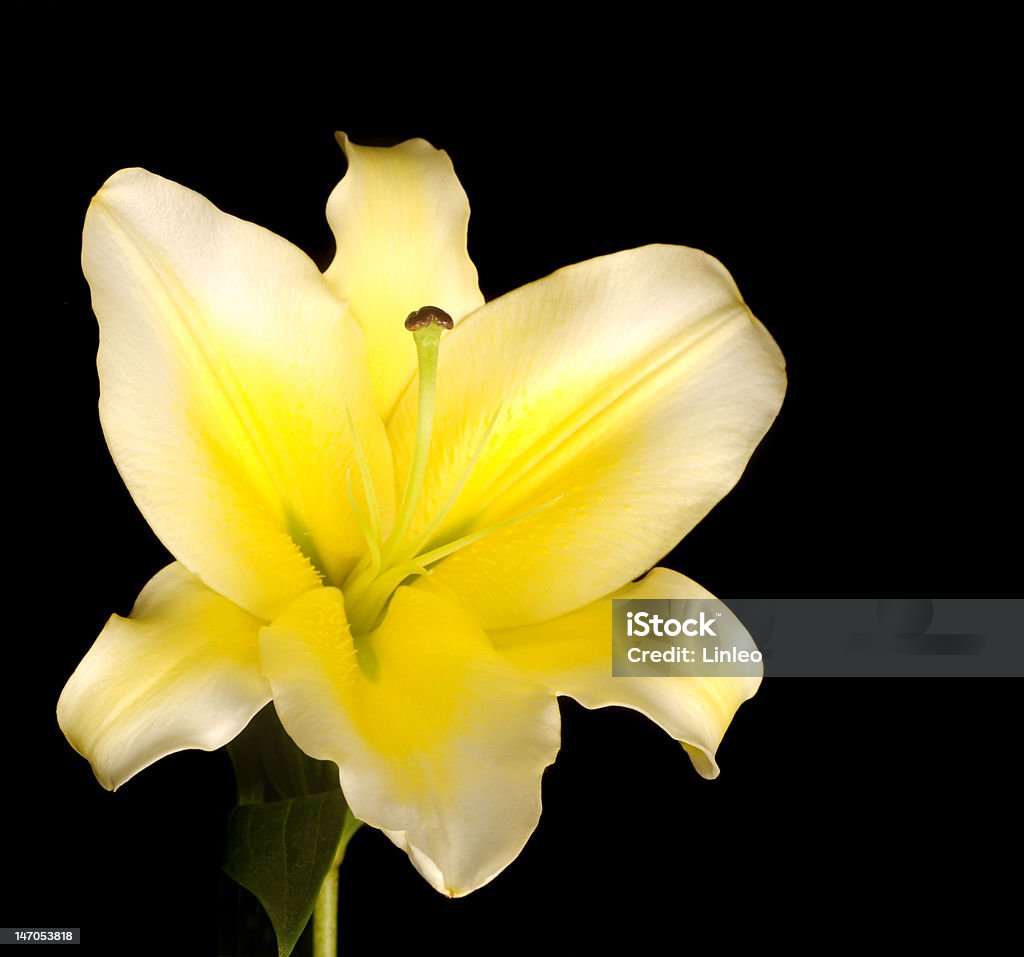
(411, 566)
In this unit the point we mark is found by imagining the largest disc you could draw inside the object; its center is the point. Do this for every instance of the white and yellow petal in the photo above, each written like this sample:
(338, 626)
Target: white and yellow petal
(182, 671)
(572, 654)
(626, 394)
(441, 743)
(228, 375)
(400, 218)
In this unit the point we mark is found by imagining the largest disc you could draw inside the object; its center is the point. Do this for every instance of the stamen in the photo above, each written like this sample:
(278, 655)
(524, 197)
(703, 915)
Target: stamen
(460, 543)
(364, 472)
(372, 540)
(364, 611)
(449, 502)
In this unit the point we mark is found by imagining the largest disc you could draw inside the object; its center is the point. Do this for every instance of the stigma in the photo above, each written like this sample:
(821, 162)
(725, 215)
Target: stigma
(426, 316)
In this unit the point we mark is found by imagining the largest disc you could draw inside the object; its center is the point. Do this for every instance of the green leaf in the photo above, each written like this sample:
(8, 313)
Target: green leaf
(282, 851)
(292, 824)
(269, 766)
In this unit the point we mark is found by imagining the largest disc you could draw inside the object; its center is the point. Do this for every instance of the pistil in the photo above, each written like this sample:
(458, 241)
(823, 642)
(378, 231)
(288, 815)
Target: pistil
(388, 564)
(371, 583)
(426, 325)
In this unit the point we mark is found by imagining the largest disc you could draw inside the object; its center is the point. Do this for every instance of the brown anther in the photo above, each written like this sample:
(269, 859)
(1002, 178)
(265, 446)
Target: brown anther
(425, 315)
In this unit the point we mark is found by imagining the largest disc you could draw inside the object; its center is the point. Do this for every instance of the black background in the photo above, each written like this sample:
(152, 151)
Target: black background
(858, 201)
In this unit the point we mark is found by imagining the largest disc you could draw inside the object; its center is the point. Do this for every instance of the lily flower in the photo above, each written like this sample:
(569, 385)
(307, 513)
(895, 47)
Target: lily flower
(406, 540)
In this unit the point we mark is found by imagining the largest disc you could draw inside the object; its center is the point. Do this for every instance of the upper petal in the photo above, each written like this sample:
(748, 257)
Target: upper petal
(626, 394)
(228, 371)
(182, 671)
(573, 655)
(400, 218)
(441, 742)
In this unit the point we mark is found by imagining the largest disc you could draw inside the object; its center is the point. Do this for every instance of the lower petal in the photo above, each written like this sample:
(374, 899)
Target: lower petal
(573, 655)
(182, 671)
(440, 742)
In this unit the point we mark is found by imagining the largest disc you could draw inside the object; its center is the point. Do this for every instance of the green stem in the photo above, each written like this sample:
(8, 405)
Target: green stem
(325, 914)
(325, 917)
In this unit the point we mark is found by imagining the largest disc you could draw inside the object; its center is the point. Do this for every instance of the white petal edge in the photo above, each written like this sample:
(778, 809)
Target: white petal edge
(182, 671)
